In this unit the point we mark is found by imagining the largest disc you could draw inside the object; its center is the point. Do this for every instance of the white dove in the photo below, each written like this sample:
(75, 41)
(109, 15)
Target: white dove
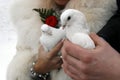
(50, 36)
(76, 28)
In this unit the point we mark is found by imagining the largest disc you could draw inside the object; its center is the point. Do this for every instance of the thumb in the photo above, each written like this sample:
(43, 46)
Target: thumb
(56, 49)
(97, 40)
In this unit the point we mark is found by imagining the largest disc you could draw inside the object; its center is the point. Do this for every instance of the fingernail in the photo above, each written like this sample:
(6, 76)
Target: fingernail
(63, 39)
(62, 65)
(61, 57)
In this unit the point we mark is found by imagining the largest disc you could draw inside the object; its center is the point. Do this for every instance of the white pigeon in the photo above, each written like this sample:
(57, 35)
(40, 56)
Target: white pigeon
(76, 28)
(50, 36)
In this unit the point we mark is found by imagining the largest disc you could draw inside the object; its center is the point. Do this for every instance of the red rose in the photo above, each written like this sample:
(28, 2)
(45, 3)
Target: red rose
(51, 21)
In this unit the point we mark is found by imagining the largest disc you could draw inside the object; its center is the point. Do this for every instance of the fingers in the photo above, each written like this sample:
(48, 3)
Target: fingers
(75, 73)
(57, 62)
(77, 64)
(70, 60)
(53, 52)
(41, 49)
(56, 49)
(75, 51)
(71, 71)
(97, 40)
(68, 48)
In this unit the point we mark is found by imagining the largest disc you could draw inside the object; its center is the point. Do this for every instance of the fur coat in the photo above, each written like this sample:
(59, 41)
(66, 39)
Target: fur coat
(28, 23)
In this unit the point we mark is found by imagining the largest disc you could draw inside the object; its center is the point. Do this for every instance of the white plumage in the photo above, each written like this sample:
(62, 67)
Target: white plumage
(50, 36)
(76, 28)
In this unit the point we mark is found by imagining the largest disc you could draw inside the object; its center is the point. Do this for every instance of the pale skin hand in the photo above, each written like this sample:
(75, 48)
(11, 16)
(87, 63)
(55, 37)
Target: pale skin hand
(101, 63)
(48, 61)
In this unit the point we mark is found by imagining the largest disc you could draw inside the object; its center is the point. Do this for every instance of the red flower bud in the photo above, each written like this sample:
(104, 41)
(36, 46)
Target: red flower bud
(51, 21)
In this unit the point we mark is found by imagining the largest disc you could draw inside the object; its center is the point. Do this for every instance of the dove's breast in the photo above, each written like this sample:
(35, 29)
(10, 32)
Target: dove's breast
(83, 40)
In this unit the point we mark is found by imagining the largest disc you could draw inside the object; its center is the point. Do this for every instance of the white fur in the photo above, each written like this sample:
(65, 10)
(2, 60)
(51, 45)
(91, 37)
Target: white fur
(27, 23)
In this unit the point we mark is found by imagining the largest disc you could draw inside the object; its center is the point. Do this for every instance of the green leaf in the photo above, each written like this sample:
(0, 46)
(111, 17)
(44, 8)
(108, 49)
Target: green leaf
(44, 13)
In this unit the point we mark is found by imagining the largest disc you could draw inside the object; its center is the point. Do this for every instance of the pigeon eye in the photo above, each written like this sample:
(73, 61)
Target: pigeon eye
(68, 18)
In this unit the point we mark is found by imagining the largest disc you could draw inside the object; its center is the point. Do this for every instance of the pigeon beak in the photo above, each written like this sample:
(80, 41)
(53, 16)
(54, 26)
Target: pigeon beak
(63, 26)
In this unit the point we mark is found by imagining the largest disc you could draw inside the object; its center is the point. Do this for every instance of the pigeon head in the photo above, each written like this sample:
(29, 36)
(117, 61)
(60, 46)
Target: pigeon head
(71, 16)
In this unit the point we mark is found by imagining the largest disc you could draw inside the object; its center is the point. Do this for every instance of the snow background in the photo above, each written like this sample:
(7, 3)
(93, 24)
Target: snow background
(7, 38)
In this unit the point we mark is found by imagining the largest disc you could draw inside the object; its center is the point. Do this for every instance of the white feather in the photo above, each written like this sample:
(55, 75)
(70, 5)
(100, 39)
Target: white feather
(50, 36)
(77, 30)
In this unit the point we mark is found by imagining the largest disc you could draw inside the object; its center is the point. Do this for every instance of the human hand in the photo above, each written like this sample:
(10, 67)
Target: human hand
(101, 63)
(48, 61)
